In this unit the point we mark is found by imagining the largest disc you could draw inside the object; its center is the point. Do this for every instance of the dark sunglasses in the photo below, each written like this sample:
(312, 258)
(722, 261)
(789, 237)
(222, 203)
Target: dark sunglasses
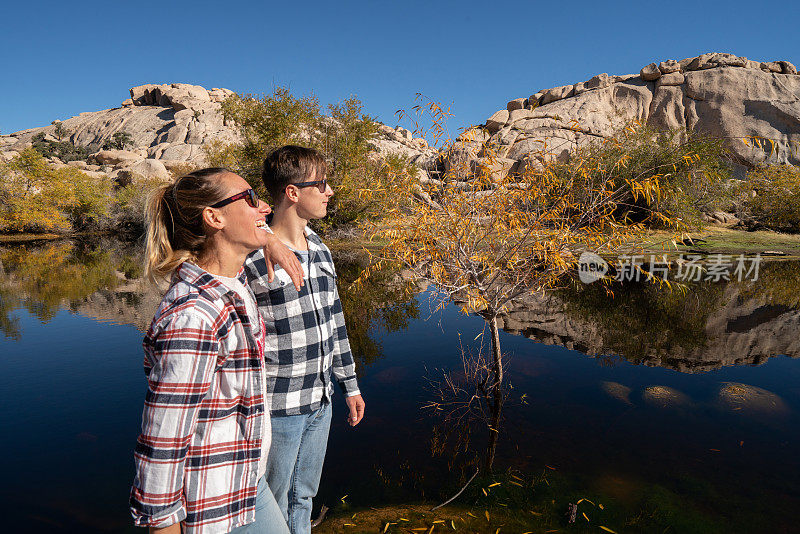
(321, 184)
(249, 195)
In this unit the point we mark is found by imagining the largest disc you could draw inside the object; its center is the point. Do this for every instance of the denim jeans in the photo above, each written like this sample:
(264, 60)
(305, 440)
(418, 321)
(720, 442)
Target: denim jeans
(294, 464)
(269, 519)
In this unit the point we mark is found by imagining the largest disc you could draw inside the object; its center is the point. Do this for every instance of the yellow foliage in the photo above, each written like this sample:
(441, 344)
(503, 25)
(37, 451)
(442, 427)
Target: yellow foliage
(40, 197)
(485, 237)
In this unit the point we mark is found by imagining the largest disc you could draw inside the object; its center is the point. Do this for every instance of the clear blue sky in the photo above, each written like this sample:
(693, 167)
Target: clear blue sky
(62, 58)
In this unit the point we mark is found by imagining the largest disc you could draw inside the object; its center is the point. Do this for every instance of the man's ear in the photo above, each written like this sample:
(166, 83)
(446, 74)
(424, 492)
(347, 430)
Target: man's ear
(292, 193)
(213, 218)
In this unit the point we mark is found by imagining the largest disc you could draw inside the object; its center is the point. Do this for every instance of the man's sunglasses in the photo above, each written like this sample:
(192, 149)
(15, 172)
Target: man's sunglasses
(321, 184)
(249, 195)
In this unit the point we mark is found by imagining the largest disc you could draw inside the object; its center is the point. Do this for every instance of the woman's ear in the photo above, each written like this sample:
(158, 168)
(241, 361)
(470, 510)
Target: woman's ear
(213, 218)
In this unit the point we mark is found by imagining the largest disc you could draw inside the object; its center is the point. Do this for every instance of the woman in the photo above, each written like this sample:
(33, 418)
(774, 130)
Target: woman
(201, 456)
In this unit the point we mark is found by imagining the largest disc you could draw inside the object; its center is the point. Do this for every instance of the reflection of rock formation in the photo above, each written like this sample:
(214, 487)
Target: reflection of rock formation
(740, 331)
(131, 304)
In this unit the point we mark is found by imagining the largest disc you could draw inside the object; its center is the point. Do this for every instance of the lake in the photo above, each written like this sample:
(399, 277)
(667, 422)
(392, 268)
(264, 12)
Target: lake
(695, 392)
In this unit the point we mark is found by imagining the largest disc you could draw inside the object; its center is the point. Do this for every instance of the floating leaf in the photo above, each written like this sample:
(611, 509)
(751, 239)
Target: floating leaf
(486, 512)
(586, 517)
(495, 484)
(607, 529)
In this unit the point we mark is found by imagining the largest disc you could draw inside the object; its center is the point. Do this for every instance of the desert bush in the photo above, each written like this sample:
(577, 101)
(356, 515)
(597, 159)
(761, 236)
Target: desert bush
(182, 169)
(770, 198)
(127, 214)
(118, 141)
(63, 150)
(692, 170)
(344, 137)
(39, 197)
(265, 123)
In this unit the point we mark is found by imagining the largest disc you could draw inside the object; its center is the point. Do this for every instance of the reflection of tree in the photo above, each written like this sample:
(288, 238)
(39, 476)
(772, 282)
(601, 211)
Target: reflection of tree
(383, 302)
(642, 318)
(9, 326)
(45, 278)
(778, 282)
(464, 406)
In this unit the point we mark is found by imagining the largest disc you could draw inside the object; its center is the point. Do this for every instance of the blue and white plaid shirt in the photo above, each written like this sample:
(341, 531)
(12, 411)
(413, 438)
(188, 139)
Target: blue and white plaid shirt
(305, 336)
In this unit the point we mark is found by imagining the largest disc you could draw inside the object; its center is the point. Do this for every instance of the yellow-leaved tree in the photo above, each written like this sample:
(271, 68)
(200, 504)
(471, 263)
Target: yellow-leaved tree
(483, 233)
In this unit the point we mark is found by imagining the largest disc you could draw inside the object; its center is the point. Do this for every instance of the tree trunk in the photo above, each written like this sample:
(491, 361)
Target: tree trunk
(497, 393)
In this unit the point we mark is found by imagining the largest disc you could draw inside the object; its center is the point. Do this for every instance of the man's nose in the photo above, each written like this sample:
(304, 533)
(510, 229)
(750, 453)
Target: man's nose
(263, 207)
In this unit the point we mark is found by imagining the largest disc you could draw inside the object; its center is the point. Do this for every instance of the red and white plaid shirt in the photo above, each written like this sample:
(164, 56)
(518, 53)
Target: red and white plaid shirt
(203, 420)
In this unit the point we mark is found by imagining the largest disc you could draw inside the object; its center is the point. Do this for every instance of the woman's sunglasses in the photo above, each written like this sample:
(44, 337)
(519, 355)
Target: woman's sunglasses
(321, 184)
(249, 195)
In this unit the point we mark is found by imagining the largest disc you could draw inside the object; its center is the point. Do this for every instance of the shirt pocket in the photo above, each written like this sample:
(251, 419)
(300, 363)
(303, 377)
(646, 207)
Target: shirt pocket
(327, 284)
(283, 311)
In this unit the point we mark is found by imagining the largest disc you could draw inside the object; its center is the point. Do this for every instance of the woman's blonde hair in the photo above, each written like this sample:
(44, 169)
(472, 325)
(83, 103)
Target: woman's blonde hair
(174, 218)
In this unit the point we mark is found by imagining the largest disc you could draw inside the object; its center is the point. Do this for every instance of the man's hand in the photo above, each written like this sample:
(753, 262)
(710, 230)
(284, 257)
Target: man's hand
(276, 253)
(356, 405)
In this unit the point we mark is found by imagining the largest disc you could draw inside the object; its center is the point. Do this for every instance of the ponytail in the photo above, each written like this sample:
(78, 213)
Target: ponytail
(174, 218)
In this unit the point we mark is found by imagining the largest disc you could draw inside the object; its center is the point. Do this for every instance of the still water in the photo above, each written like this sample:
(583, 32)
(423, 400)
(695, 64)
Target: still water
(698, 393)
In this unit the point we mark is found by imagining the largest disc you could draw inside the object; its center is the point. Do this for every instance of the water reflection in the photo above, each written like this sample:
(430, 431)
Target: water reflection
(102, 279)
(706, 326)
(727, 430)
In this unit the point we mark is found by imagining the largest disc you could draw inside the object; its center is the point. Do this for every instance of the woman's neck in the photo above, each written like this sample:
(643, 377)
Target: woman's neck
(221, 261)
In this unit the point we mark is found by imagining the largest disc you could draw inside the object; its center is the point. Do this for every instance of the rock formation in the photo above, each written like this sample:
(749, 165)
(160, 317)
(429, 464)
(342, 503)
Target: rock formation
(719, 94)
(169, 125)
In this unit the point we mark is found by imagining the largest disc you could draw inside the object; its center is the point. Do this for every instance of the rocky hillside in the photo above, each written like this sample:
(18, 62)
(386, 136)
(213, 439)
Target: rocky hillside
(719, 94)
(168, 124)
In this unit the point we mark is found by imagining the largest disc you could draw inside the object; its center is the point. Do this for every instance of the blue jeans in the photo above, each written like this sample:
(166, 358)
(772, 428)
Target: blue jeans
(269, 519)
(294, 464)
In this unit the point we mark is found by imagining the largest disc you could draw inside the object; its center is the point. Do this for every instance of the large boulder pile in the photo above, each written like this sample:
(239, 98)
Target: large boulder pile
(719, 94)
(168, 125)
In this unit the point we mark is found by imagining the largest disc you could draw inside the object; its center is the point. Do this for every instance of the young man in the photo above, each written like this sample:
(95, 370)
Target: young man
(306, 337)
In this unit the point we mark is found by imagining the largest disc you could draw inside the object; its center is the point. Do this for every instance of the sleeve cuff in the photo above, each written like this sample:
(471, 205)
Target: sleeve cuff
(349, 387)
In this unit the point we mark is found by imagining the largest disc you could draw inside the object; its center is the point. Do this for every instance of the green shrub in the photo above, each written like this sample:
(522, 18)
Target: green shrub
(118, 141)
(771, 198)
(63, 150)
(344, 138)
(692, 169)
(127, 214)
